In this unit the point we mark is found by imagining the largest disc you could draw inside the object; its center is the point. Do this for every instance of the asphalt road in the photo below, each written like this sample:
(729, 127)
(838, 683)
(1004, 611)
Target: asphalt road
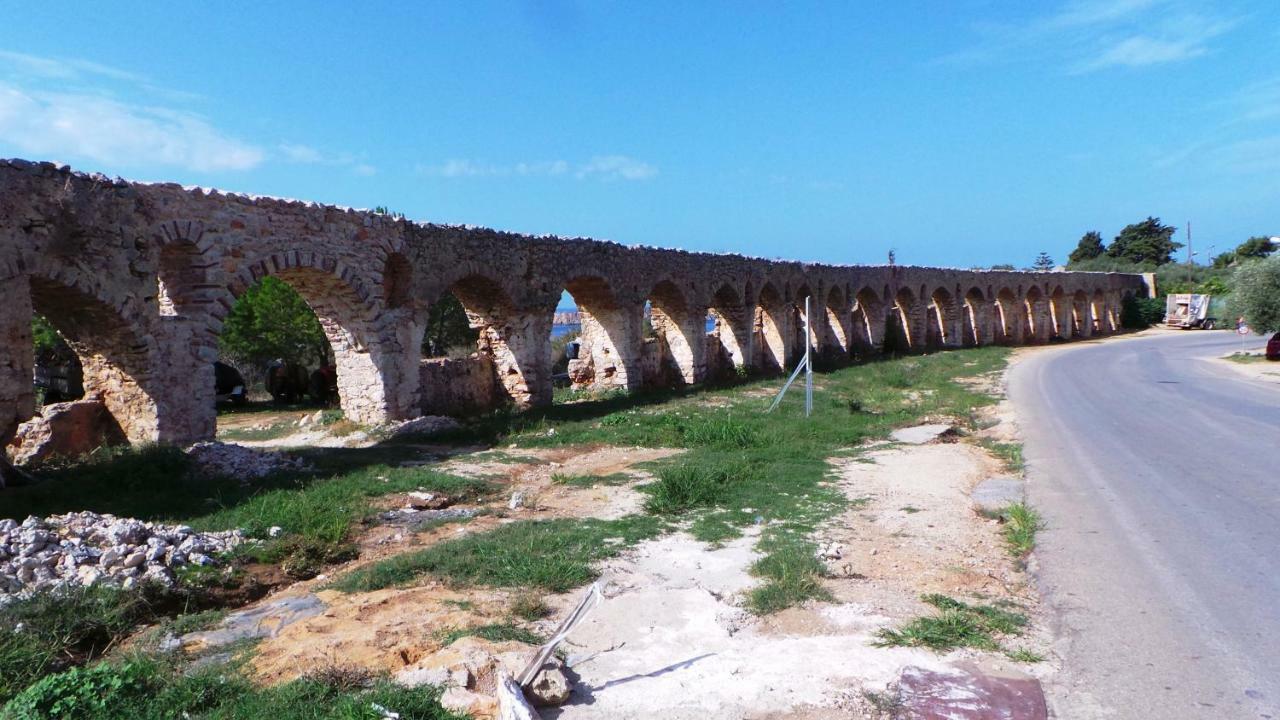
(1158, 474)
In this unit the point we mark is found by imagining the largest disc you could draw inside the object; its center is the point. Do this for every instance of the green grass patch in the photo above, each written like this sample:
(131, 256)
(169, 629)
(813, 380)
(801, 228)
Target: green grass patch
(51, 631)
(586, 481)
(499, 632)
(554, 555)
(793, 574)
(957, 625)
(1246, 358)
(1021, 523)
(1008, 453)
(151, 688)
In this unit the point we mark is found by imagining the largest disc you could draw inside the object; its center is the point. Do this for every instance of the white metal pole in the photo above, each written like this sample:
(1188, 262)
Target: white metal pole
(808, 363)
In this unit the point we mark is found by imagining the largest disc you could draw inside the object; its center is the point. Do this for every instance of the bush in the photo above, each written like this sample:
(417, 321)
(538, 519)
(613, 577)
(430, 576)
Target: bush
(1257, 295)
(1137, 313)
(94, 692)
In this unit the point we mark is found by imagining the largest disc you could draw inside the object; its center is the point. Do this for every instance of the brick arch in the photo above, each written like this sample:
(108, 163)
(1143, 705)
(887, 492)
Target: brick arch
(1008, 321)
(1059, 312)
(1035, 314)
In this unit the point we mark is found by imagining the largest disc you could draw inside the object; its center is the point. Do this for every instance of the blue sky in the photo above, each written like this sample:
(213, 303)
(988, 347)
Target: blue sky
(959, 133)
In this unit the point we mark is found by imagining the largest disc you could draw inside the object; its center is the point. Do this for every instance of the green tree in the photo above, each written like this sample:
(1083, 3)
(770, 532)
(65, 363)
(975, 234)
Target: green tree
(1003, 266)
(1043, 262)
(1256, 294)
(1254, 247)
(1145, 242)
(1226, 259)
(269, 321)
(448, 328)
(1090, 247)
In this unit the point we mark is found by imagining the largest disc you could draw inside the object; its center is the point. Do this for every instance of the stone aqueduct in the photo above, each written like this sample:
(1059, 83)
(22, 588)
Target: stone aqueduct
(139, 278)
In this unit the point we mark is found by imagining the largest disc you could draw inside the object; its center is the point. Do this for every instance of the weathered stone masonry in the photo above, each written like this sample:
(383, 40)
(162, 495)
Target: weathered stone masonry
(140, 277)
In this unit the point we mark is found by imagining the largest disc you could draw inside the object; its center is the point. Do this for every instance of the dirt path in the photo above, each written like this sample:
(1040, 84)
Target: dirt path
(672, 640)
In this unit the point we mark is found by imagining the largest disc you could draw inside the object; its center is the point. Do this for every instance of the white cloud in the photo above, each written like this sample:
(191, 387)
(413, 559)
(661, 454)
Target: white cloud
(300, 153)
(70, 125)
(1095, 35)
(307, 155)
(75, 110)
(606, 167)
(614, 167)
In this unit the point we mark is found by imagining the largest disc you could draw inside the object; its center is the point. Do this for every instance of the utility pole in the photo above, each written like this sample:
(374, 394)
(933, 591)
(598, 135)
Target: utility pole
(1189, 253)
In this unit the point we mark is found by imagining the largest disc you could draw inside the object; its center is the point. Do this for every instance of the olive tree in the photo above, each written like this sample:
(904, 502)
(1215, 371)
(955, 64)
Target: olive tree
(1257, 294)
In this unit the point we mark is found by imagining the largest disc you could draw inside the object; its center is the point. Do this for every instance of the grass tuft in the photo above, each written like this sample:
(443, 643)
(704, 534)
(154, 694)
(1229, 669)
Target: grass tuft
(793, 574)
(1021, 523)
(498, 632)
(957, 624)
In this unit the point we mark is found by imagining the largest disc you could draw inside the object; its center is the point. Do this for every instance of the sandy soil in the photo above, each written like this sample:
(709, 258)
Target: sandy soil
(674, 642)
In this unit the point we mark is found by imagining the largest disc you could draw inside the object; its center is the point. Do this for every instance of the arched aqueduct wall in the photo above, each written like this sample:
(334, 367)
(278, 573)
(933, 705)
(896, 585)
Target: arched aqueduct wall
(139, 278)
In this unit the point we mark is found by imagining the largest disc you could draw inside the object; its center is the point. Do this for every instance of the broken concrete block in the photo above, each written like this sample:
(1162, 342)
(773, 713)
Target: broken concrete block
(993, 495)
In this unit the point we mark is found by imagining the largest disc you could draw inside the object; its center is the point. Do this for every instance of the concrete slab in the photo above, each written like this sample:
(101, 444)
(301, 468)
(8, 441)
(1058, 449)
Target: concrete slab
(920, 434)
(994, 494)
(969, 694)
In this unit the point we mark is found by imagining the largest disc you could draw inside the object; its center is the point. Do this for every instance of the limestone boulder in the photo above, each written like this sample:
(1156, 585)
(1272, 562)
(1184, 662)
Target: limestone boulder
(68, 430)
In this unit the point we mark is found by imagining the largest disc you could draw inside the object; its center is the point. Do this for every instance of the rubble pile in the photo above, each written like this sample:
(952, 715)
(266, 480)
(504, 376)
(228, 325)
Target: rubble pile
(238, 461)
(86, 548)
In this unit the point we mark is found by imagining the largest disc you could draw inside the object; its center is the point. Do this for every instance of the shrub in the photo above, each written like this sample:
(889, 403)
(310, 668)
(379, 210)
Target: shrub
(1137, 313)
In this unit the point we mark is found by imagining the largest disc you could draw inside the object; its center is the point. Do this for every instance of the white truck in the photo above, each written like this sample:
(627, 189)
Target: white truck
(1187, 311)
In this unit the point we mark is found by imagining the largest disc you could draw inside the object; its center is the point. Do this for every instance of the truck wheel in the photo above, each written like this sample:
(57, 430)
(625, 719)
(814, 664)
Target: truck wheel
(1208, 325)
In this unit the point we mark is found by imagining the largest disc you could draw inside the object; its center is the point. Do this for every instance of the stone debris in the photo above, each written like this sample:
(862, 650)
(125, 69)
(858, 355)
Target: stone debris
(425, 425)
(419, 500)
(68, 429)
(238, 461)
(85, 548)
(468, 670)
(830, 551)
(921, 434)
(410, 517)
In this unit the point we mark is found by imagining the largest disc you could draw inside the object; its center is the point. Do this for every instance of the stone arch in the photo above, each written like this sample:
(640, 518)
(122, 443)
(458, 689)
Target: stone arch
(797, 319)
(115, 351)
(370, 388)
(770, 329)
(1035, 316)
(836, 328)
(1009, 319)
(939, 330)
(678, 332)
(901, 333)
(730, 338)
(609, 339)
(182, 279)
(1081, 325)
(976, 319)
(868, 320)
(1097, 312)
(1059, 313)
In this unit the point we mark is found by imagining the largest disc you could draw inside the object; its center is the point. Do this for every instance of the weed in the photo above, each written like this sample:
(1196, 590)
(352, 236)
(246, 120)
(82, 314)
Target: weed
(343, 678)
(1024, 655)
(586, 481)
(1009, 453)
(909, 509)
(528, 606)
(958, 624)
(499, 632)
(1021, 523)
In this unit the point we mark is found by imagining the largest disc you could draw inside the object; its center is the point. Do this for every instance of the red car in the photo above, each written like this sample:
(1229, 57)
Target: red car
(1273, 347)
